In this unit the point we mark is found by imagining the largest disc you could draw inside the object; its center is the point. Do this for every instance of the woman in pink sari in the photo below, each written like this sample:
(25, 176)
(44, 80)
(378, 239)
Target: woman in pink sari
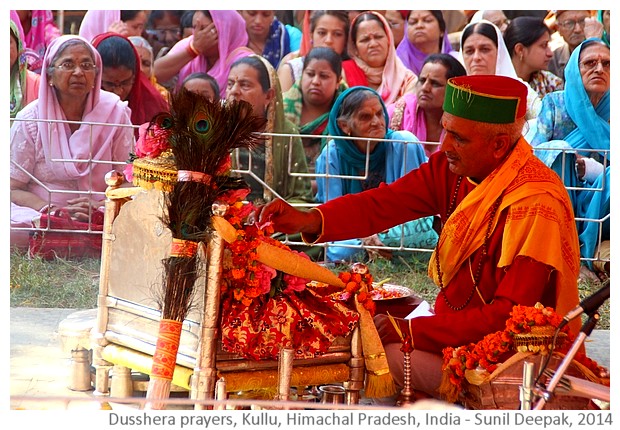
(40, 180)
(219, 39)
(39, 30)
(124, 22)
(420, 112)
(374, 62)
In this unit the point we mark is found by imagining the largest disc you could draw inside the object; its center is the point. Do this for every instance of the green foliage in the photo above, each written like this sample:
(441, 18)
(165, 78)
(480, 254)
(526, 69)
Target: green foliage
(74, 283)
(53, 284)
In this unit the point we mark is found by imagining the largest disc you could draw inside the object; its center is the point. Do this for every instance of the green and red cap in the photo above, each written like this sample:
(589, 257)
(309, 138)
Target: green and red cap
(486, 98)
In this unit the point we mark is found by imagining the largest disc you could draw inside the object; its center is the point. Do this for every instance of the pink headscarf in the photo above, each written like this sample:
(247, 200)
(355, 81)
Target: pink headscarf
(18, 24)
(394, 75)
(232, 41)
(98, 21)
(56, 138)
(42, 31)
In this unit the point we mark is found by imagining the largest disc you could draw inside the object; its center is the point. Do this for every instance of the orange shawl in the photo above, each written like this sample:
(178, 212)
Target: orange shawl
(539, 217)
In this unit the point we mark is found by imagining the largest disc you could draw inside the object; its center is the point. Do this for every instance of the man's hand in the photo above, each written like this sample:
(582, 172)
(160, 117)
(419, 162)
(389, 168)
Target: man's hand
(289, 220)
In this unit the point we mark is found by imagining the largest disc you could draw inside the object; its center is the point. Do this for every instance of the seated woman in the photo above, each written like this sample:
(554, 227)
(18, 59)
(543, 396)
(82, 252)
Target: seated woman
(121, 75)
(163, 31)
(70, 91)
(496, 17)
(145, 51)
(308, 102)
(398, 22)
(374, 62)
(527, 40)
(425, 34)
(577, 118)
(24, 83)
(203, 84)
(360, 112)
(421, 112)
(219, 39)
(268, 37)
(254, 80)
(484, 52)
(329, 28)
(124, 22)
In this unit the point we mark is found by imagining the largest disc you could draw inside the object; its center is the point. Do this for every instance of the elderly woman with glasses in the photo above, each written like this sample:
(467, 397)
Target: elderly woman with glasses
(70, 90)
(578, 119)
(121, 75)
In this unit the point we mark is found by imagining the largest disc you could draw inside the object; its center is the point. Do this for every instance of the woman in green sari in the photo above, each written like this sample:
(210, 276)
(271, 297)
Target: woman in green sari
(308, 102)
(254, 80)
(24, 83)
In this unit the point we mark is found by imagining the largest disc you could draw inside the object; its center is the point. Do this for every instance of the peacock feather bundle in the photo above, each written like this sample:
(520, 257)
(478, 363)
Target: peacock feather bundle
(202, 135)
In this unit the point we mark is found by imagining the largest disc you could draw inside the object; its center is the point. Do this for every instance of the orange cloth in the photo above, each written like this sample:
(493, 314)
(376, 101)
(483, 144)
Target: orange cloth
(526, 224)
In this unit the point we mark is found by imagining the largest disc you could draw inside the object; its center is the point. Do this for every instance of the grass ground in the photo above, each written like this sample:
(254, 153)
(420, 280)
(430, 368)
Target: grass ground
(74, 283)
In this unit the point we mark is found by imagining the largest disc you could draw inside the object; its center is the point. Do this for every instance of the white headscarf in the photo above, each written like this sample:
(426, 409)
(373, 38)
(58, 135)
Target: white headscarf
(504, 67)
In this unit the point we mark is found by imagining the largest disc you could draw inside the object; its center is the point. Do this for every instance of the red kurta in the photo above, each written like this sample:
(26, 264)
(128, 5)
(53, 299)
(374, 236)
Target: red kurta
(426, 191)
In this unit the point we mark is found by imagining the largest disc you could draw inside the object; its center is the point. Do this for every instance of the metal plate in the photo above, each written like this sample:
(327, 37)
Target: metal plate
(393, 292)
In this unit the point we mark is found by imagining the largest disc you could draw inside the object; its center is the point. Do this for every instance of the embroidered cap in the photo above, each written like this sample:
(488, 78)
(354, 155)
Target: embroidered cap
(486, 98)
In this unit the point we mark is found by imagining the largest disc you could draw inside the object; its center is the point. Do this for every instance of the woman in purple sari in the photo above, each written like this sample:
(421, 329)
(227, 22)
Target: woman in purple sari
(425, 34)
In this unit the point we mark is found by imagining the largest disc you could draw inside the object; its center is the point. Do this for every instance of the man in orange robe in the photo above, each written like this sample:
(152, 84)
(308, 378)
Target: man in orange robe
(508, 236)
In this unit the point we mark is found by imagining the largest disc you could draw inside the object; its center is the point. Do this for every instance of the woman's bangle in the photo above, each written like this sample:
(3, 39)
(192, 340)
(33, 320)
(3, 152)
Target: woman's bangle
(191, 49)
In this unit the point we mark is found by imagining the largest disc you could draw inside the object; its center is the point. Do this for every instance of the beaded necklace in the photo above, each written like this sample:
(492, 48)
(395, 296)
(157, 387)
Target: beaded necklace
(483, 257)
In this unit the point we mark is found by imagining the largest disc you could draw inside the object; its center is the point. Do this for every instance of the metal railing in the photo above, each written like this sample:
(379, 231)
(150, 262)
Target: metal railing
(291, 171)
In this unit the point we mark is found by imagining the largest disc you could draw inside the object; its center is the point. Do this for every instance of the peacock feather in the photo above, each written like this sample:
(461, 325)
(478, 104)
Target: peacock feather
(202, 134)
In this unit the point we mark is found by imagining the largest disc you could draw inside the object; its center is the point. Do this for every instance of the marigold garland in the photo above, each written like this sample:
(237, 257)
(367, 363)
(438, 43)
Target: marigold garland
(243, 273)
(353, 282)
(487, 354)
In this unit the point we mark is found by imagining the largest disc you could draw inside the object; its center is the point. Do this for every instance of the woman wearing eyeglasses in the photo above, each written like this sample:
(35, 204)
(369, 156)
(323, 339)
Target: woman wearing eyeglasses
(578, 118)
(121, 75)
(70, 90)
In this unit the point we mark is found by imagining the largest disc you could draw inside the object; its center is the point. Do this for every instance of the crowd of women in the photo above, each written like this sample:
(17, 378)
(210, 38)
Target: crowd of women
(334, 84)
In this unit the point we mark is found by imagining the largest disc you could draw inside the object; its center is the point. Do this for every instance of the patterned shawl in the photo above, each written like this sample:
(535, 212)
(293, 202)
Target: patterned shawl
(523, 180)
(278, 43)
(42, 31)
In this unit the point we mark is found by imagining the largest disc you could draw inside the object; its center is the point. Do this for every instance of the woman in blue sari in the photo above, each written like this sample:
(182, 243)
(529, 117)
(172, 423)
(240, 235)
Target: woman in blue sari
(573, 129)
(360, 112)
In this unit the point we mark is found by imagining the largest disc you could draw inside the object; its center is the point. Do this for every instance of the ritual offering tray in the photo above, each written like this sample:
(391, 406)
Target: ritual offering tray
(390, 292)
